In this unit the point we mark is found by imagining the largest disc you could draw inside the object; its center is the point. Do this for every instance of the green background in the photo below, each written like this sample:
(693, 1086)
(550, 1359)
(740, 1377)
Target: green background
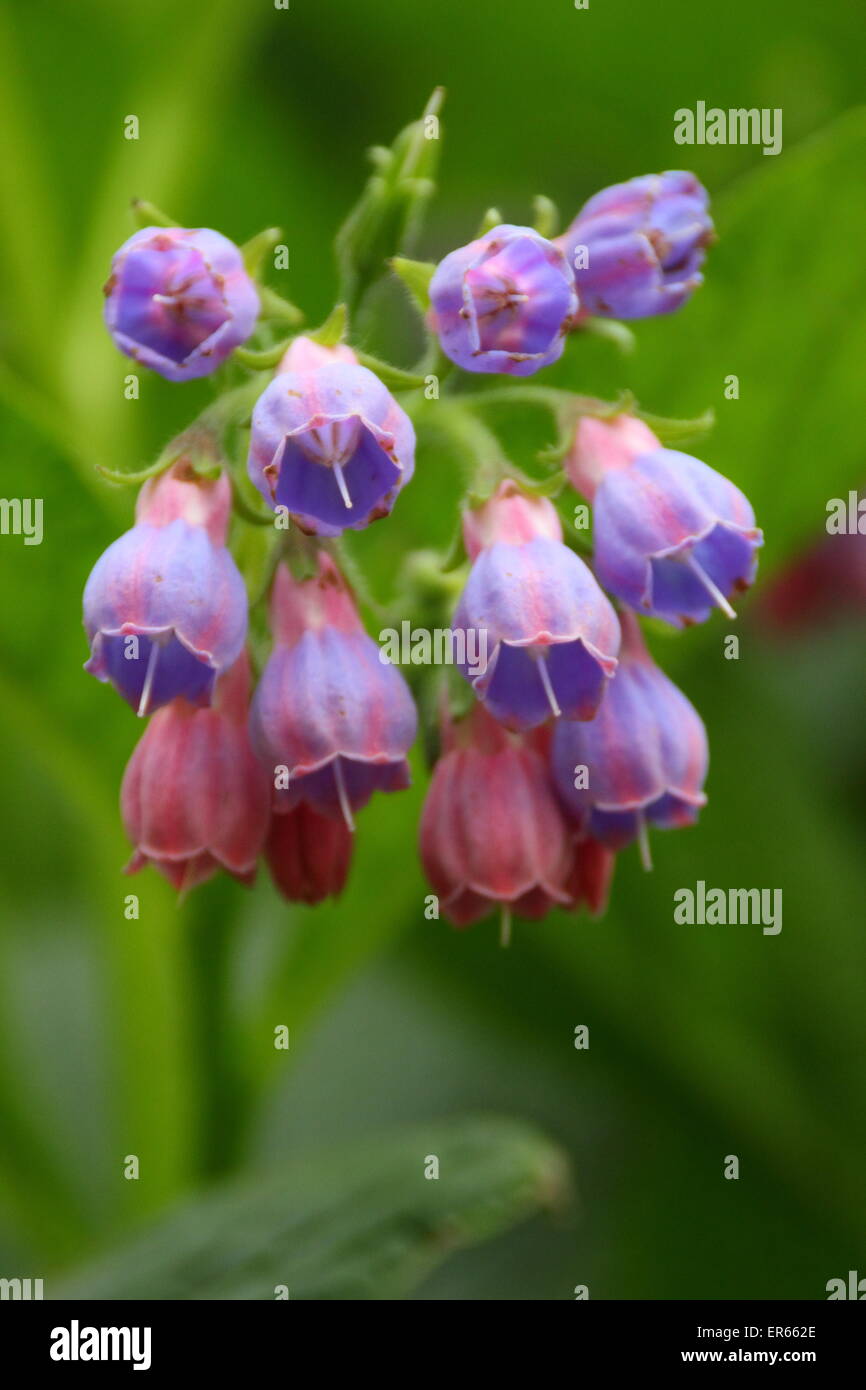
(704, 1041)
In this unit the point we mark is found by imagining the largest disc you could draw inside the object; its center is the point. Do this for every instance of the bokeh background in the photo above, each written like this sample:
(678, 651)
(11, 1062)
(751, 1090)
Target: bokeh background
(704, 1041)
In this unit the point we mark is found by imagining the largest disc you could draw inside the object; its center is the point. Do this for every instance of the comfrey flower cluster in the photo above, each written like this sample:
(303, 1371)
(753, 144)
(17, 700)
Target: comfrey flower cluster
(273, 721)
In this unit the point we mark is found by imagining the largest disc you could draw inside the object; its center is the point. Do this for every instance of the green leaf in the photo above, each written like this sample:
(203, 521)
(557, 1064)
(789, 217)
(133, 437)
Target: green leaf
(333, 330)
(455, 555)
(395, 378)
(540, 487)
(673, 433)
(416, 277)
(363, 1223)
(262, 360)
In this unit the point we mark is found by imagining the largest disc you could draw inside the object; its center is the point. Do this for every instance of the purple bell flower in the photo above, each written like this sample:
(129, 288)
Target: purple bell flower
(645, 754)
(179, 301)
(329, 442)
(165, 607)
(672, 537)
(637, 248)
(327, 708)
(504, 303)
(551, 636)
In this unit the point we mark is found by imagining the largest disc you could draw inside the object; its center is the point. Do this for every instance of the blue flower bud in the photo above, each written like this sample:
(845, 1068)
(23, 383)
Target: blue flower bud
(504, 303)
(637, 248)
(179, 301)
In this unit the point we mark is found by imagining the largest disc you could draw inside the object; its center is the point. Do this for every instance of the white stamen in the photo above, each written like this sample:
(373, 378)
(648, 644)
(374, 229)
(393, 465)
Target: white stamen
(643, 842)
(341, 793)
(715, 593)
(505, 925)
(149, 674)
(163, 298)
(548, 688)
(341, 484)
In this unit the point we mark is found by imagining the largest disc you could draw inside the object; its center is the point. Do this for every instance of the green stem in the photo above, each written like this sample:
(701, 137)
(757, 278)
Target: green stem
(553, 397)
(224, 1098)
(230, 408)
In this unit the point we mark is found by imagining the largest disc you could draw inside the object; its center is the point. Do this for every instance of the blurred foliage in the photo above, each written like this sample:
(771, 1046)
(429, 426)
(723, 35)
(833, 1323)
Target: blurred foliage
(367, 1223)
(704, 1041)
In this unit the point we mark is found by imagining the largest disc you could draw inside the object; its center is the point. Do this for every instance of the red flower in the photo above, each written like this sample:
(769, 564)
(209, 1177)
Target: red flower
(194, 798)
(308, 854)
(492, 832)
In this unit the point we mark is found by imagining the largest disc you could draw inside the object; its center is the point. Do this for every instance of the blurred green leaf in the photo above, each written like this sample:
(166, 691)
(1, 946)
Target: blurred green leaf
(362, 1224)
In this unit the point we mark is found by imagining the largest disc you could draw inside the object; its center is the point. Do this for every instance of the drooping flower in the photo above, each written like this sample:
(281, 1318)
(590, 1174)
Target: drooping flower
(165, 608)
(327, 709)
(642, 760)
(674, 538)
(194, 797)
(637, 248)
(504, 303)
(179, 301)
(308, 854)
(329, 442)
(491, 833)
(550, 634)
(592, 867)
